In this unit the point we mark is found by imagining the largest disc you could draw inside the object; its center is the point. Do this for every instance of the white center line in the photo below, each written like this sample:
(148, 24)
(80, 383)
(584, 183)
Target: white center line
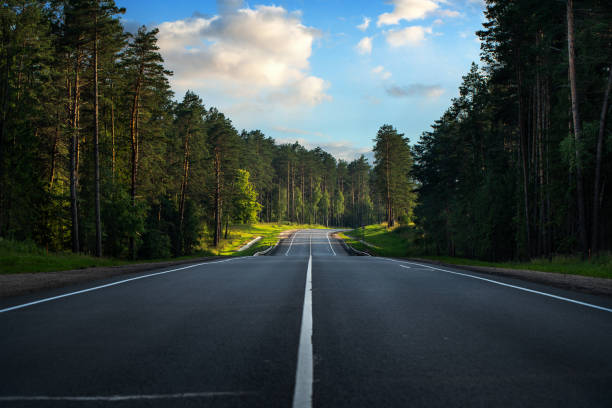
(330, 245)
(302, 397)
(605, 309)
(291, 244)
(8, 309)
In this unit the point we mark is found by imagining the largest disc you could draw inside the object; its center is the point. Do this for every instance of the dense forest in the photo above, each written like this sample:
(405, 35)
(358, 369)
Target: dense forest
(519, 165)
(97, 155)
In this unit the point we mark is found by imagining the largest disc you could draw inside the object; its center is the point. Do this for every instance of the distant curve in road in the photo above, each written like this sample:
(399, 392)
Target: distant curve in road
(385, 333)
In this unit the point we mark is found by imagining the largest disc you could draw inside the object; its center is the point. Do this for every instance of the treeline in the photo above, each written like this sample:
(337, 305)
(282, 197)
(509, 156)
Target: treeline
(519, 166)
(96, 156)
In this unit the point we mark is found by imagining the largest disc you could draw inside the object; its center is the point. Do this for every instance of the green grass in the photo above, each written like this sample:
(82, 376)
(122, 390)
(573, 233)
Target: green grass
(25, 257)
(239, 235)
(398, 243)
(383, 241)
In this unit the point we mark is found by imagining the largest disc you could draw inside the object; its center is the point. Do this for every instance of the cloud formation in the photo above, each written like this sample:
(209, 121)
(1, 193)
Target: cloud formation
(380, 71)
(413, 36)
(418, 90)
(259, 54)
(410, 10)
(366, 23)
(365, 46)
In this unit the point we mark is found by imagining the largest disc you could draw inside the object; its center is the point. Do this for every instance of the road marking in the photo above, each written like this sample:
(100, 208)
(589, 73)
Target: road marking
(291, 244)
(8, 309)
(116, 398)
(310, 249)
(302, 396)
(605, 309)
(330, 245)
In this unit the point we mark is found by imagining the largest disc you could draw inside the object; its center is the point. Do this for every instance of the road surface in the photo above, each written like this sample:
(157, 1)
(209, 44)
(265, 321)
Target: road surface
(237, 333)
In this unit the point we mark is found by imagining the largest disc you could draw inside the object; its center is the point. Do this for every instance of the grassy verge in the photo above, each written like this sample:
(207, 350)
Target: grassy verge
(26, 257)
(239, 235)
(378, 240)
(398, 243)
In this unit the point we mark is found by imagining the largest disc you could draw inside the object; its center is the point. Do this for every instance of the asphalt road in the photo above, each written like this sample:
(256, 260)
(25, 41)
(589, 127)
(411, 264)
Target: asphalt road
(232, 333)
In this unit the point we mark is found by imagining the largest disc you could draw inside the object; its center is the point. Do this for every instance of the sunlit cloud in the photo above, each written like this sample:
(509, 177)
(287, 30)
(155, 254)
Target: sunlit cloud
(414, 35)
(366, 23)
(365, 46)
(251, 55)
(381, 72)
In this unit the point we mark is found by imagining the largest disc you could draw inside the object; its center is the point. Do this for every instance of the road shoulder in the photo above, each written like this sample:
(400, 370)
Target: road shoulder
(585, 284)
(26, 283)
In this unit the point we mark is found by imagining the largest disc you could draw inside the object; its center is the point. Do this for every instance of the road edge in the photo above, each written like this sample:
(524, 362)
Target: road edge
(17, 284)
(585, 284)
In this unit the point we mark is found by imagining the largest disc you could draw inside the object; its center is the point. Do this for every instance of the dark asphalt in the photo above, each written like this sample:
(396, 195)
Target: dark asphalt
(227, 334)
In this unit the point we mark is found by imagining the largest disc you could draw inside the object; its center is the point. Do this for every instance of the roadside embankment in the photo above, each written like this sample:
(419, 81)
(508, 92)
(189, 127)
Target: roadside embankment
(24, 283)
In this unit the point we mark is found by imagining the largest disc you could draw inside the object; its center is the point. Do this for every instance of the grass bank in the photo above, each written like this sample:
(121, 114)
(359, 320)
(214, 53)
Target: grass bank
(239, 235)
(26, 257)
(378, 240)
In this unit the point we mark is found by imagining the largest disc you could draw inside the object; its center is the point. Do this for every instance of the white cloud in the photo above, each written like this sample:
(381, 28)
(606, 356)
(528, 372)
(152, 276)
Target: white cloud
(449, 13)
(366, 23)
(428, 91)
(380, 71)
(438, 21)
(407, 10)
(365, 46)
(259, 54)
(413, 36)
(410, 10)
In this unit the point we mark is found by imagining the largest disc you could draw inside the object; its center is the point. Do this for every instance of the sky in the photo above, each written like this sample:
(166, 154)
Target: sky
(325, 73)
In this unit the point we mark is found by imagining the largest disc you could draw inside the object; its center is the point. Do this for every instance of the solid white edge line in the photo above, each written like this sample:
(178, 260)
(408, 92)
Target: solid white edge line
(302, 396)
(113, 398)
(330, 245)
(291, 244)
(108, 285)
(577, 302)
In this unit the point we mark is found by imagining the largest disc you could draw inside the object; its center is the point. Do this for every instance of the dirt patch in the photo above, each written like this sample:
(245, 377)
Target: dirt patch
(23, 283)
(586, 284)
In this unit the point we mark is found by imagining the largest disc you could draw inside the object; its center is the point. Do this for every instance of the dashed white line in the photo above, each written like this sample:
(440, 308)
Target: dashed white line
(302, 396)
(330, 245)
(577, 302)
(8, 309)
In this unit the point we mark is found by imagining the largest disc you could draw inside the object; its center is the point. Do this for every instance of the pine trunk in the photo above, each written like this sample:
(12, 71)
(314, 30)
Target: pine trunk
(582, 233)
(74, 158)
(97, 152)
(597, 182)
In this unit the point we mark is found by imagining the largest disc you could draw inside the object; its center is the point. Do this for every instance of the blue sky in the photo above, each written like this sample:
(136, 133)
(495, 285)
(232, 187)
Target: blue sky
(305, 70)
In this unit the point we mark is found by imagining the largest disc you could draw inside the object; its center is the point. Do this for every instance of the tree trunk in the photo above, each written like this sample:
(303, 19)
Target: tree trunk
(217, 235)
(582, 233)
(184, 188)
(97, 151)
(113, 138)
(597, 183)
(134, 143)
(74, 158)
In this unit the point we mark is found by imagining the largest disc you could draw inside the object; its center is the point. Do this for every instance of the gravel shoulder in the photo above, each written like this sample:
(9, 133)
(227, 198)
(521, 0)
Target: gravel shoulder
(24, 283)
